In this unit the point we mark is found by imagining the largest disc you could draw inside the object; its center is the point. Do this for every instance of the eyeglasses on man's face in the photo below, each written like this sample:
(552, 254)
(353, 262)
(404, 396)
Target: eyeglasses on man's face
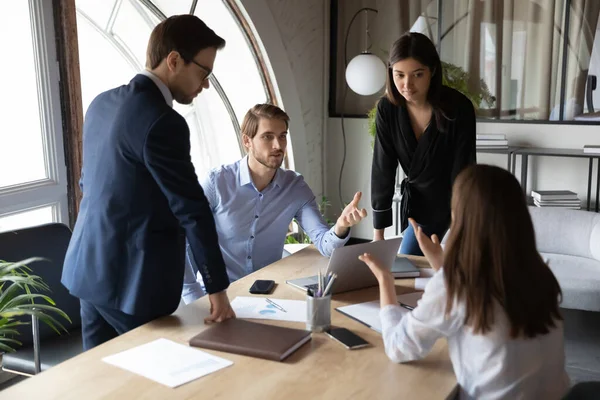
(207, 71)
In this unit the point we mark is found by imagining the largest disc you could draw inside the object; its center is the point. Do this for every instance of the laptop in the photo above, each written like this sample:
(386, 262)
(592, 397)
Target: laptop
(353, 274)
(404, 268)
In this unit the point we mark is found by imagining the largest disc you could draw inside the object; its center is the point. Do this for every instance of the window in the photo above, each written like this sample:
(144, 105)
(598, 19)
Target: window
(32, 163)
(526, 60)
(28, 218)
(21, 137)
(235, 66)
(113, 36)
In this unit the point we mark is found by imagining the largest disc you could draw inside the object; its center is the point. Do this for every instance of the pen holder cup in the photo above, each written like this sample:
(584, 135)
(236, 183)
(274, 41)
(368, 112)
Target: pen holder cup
(318, 313)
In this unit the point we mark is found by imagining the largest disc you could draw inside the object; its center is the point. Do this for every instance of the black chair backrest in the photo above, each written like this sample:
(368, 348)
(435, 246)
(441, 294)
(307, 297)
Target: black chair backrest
(49, 241)
(584, 391)
(590, 86)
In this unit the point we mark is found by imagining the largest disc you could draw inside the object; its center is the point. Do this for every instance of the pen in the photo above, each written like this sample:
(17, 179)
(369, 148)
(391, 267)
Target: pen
(275, 305)
(319, 292)
(329, 285)
(328, 278)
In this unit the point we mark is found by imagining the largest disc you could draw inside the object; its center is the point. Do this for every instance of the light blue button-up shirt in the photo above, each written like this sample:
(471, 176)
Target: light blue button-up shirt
(252, 225)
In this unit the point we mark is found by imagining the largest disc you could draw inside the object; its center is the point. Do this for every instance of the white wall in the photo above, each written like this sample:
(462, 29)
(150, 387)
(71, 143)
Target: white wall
(357, 170)
(293, 33)
(301, 24)
(545, 173)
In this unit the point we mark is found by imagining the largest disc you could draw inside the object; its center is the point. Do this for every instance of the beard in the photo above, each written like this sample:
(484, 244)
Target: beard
(270, 161)
(184, 100)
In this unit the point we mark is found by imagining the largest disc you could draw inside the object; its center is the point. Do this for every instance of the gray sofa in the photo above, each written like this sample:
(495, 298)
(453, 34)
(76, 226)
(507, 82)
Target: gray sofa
(570, 242)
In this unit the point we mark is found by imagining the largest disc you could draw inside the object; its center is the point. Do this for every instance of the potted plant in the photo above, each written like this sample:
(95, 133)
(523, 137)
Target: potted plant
(457, 78)
(18, 290)
(300, 236)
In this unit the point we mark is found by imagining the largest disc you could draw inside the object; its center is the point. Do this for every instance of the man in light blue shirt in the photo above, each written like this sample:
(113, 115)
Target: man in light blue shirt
(254, 200)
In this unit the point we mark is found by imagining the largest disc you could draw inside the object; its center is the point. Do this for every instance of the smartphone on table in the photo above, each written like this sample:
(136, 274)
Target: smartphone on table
(262, 286)
(347, 338)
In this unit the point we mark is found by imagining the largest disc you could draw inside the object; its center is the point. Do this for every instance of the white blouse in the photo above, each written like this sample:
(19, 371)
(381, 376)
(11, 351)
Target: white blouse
(490, 366)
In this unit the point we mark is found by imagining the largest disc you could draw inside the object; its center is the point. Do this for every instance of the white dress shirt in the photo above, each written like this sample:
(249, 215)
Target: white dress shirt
(490, 366)
(252, 224)
(161, 86)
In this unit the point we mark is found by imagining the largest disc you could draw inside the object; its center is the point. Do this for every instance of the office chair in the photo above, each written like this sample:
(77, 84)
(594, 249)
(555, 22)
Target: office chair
(590, 86)
(42, 347)
(584, 391)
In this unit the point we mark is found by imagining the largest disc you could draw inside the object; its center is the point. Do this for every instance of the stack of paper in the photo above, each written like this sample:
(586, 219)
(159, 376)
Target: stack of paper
(491, 141)
(556, 198)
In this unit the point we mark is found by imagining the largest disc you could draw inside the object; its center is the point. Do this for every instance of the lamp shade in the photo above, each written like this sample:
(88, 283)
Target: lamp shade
(365, 74)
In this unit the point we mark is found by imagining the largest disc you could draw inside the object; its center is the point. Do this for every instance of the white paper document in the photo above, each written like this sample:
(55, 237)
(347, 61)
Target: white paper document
(167, 362)
(260, 308)
(366, 313)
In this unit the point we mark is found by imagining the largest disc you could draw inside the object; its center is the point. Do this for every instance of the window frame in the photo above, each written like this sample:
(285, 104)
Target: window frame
(73, 114)
(53, 189)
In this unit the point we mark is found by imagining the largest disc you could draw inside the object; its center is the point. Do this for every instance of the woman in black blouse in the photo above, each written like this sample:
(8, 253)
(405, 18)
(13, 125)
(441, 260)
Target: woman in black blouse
(430, 130)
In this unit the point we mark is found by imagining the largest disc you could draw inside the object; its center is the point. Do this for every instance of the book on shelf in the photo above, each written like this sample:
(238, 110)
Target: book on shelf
(490, 136)
(572, 206)
(557, 202)
(478, 147)
(591, 149)
(481, 142)
(553, 195)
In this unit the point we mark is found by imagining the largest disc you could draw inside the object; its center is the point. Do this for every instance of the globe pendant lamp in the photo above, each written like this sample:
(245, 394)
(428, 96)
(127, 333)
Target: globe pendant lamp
(365, 74)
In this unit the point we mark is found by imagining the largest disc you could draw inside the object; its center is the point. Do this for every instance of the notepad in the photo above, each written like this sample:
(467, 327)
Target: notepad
(365, 313)
(166, 362)
(368, 313)
(252, 339)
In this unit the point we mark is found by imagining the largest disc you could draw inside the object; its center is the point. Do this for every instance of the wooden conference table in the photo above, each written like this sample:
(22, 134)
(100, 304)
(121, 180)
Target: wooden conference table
(320, 369)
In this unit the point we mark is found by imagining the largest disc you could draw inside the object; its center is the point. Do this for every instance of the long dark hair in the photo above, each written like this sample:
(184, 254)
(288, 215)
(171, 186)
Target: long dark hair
(491, 256)
(418, 46)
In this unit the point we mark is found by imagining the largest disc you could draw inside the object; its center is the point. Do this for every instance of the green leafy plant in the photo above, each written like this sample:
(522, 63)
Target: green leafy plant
(17, 295)
(457, 78)
(372, 128)
(302, 237)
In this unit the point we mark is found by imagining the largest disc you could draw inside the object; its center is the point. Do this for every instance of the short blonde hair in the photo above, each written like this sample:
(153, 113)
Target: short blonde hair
(253, 116)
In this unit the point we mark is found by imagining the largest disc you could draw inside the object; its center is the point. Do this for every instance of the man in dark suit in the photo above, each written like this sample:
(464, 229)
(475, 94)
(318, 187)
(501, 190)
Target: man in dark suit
(141, 196)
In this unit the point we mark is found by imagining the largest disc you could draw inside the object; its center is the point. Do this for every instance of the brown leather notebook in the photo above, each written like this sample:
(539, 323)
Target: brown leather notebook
(251, 339)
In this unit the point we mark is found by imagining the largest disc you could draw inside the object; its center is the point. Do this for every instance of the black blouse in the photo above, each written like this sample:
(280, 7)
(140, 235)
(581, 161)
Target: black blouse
(430, 164)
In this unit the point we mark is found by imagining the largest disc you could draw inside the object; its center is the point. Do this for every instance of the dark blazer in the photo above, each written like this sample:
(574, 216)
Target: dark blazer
(141, 199)
(430, 164)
